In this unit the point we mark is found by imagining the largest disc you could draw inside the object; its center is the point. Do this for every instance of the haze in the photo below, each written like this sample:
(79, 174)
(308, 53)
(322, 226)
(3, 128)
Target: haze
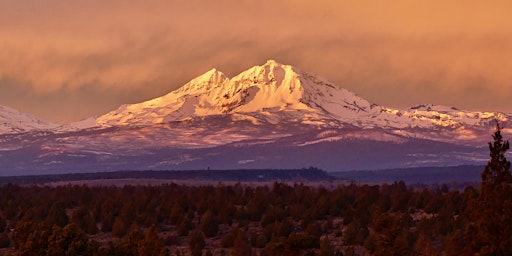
(68, 60)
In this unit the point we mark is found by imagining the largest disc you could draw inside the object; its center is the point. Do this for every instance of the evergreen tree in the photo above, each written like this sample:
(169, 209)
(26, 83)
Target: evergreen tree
(120, 227)
(242, 246)
(107, 221)
(185, 226)
(57, 215)
(228, 240)
(196, 242)
(491, 231)
(176, 215)
(70, 240)
(84, 220)
(496, 175)
(151, 244)
(209, 224)
(129, 245)
(31, 239)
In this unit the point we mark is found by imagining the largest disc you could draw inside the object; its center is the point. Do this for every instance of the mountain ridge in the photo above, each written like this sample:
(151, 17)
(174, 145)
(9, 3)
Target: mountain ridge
(260, 92)
(272, 93)
(269, 116)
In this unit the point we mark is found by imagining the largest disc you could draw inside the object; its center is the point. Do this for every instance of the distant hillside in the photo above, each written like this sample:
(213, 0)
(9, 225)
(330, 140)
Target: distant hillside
(310, 174)
(425, 175)
(464, 174)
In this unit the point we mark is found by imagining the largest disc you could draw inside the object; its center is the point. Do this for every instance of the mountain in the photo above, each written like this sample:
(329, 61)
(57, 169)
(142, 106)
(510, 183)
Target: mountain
(275, 94)
(269, 116)
(13, 121)
(281, 93)
(269, 93)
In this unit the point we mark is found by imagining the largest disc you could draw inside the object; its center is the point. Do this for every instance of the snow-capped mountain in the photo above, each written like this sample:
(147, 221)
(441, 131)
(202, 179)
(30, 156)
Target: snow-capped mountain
(276, 93)
(269, 116)
(269, 93)
(13, 121)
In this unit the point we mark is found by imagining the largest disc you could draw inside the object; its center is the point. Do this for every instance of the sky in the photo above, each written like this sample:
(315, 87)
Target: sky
(68, 60)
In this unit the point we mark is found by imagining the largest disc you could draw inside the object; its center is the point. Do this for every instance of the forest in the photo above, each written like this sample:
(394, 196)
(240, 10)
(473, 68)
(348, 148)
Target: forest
(278, 219)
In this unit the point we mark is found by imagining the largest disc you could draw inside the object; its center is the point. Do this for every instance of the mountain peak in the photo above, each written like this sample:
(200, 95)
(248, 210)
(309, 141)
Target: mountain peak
(14, 121)
(270, 91)
(270, 73)
(273, 63)
(275, 93)
(204, 81)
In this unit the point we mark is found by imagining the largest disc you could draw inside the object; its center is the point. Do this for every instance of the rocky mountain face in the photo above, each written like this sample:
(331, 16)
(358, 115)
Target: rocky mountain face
(269, 116)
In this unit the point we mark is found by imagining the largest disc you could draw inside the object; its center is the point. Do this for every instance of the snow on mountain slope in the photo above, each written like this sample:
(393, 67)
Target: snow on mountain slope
(269, 116)
(272, 93)
(447, 116)
(14, 121)
(191, 99)
(277, 93)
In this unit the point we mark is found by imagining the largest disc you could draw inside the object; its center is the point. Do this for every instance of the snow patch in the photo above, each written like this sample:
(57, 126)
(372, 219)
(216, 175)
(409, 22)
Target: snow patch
(246, 161)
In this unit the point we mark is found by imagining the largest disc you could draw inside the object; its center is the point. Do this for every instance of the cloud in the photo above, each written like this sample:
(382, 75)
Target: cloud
(129, 51)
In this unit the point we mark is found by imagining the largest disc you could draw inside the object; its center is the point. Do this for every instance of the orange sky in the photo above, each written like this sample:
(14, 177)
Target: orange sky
(67, 60)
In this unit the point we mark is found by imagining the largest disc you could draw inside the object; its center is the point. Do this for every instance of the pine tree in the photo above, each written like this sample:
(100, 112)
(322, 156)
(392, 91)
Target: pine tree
(185, 226)
(209, 224)
(496, 175)
(31, 238)
(196, 242)
(70, 240)
(57, 215)
(241, 246)
(151, 244)
(84, 220)
(491, 231)
(129, 245)
(120, 227)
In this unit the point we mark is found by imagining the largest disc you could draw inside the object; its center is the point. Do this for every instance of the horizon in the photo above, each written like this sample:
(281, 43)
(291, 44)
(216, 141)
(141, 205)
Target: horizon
(64, 62)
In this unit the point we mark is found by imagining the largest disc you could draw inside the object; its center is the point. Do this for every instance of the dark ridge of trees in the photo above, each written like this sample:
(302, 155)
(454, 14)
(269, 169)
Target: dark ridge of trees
(305, 174)
(466, 174)
(277, 219)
